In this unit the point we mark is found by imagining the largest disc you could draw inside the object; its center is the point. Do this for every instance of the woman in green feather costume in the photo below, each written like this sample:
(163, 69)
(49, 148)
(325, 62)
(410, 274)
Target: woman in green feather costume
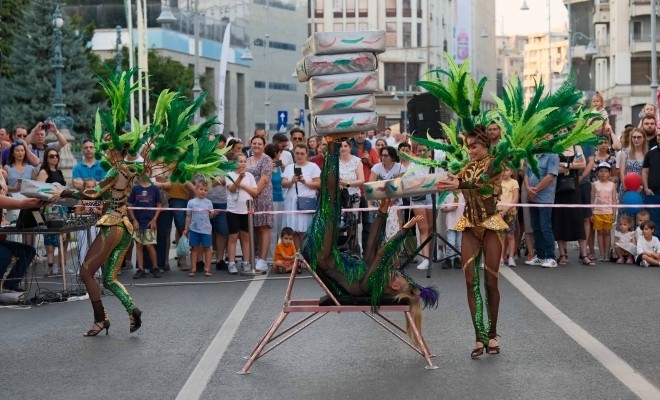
(171, 142)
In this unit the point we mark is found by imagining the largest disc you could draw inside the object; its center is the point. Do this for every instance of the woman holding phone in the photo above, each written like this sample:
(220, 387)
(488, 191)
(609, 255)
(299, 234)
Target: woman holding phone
(303, 179)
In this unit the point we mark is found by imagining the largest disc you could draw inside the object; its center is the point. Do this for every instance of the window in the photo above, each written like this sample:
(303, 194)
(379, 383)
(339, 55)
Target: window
(637, 30)
(419, 9)
(338, 26)
(363, 11)
(318, 12)
(395, 75)
(350, 26)
(282, 46)
(390, 8)
(406, 8)
(407, 34)
(290, 87)
(640, 70)
(419, 35)
(390, 34)
(350, 9)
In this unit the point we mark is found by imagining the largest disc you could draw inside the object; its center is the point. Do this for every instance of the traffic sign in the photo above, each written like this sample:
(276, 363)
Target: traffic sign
(282, 120)
(302, 118)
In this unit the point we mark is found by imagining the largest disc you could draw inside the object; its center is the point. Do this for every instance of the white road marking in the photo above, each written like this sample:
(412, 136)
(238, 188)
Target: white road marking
(200, 376)
(618, 367)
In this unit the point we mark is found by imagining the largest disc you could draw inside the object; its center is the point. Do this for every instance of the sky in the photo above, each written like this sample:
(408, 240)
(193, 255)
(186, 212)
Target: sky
(511, 20)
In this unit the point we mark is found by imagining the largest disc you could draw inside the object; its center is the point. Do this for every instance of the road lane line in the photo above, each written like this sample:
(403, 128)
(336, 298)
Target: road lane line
(200, 376)
(618, 367)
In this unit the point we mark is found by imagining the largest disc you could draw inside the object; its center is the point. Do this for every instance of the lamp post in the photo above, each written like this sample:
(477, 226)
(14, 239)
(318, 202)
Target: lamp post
(654, 55)
(589, 52)
(118, 56)
(59, 115)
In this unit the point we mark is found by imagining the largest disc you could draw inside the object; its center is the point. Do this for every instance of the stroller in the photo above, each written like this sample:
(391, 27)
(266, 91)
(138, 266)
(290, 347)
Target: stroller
(347, 237)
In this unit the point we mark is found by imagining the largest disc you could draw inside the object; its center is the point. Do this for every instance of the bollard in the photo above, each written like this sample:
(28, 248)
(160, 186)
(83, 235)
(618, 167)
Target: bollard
(252, 271)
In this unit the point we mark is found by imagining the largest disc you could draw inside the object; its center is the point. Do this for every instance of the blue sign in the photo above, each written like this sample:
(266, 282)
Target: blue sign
(302, 118)
(282, 120)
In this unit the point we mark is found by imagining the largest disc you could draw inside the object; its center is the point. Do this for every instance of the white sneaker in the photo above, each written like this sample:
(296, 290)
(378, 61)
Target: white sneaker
(231, 268)
(534, 261)
(502, 262)
(423, 265)
(262, 265)
(644, 264)
(512, 262)
(246, 267)
(549, 263)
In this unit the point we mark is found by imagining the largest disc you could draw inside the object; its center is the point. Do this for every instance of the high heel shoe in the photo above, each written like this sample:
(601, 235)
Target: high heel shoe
(477, 351)
(493, 349)
(136, 319)
(98, 327)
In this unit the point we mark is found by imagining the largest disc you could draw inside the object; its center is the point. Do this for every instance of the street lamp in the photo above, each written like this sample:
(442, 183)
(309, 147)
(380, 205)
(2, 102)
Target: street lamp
(59, 115)
(525, 7)
(118, 56)
(589, 52)
(166, 17)
(654, 56)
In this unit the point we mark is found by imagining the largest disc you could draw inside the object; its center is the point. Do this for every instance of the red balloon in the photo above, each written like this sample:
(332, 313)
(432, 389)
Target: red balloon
(632, 181)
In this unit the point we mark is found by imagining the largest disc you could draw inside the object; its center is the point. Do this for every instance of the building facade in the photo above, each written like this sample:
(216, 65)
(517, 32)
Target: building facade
(623, 66)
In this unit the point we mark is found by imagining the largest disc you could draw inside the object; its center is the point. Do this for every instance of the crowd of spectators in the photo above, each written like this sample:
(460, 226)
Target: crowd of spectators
(274, 174)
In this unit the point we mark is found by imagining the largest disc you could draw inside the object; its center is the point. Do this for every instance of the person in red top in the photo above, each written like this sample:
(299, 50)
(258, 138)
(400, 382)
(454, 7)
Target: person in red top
(319, 158)
(362, 148)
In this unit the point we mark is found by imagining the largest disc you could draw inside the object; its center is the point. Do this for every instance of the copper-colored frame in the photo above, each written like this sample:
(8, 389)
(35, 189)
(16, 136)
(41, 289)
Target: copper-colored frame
(317, 311)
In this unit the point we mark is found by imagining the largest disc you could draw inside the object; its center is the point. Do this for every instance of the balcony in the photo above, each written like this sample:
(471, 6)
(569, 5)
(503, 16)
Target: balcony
(640, 7)
(602, 14)
(640, 46)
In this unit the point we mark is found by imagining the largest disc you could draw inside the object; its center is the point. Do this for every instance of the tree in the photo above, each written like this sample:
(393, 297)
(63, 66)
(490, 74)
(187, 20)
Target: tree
(29, 91)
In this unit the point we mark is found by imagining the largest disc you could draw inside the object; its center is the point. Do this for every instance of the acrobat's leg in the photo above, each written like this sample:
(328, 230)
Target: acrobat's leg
(118, 239)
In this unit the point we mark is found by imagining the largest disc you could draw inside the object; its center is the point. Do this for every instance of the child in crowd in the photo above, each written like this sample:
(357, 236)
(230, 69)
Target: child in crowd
(285, 252)
(603, 197)
(242, 187)
(649, 110)
(624, 237)
(198, 228)
(145, 194)
(641, 216)
(452, 207)
(510, 194)
(598, 103)
(648, 247)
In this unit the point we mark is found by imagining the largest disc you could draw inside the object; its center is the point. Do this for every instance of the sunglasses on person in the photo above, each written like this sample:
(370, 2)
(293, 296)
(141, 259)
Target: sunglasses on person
(53, 156)
(297, 139)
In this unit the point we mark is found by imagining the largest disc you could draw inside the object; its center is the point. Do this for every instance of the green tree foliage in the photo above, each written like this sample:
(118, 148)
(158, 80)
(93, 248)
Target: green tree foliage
(10, 14)
(29, 91)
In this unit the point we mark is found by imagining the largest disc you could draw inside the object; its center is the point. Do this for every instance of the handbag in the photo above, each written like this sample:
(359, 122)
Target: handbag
(565, 183)
(306, 203)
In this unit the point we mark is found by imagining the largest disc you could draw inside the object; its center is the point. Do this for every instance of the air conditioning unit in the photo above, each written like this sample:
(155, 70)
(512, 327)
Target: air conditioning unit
(391, 88)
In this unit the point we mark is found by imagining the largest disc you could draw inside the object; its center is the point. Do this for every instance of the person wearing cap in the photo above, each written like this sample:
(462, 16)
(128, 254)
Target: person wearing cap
(603, 197)
(541, 190)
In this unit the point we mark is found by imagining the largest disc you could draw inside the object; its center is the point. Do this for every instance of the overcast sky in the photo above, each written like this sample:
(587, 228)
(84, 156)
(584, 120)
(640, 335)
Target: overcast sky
(511, 20)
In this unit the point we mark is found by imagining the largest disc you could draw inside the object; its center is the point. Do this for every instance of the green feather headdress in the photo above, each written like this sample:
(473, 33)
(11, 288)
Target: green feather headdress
(172, 142)
(550, 123)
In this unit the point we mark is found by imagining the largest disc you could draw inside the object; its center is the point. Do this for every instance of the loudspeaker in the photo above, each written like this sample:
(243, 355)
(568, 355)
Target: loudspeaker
(424, 114)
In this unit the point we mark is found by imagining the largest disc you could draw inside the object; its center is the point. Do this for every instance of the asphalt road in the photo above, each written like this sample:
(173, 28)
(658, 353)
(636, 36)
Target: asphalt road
(572, 332)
